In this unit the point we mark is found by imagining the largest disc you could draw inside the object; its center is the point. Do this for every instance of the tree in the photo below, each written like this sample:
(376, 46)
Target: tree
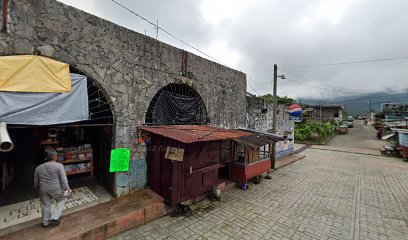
(281, 100)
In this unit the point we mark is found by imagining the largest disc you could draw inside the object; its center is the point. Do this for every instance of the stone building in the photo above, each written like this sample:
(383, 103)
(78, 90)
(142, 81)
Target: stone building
(324, 113)
(260, 117)
(129, 68)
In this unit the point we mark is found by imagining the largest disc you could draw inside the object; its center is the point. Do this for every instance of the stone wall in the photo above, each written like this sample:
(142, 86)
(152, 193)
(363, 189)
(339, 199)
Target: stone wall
(260, 117)
(130, 66)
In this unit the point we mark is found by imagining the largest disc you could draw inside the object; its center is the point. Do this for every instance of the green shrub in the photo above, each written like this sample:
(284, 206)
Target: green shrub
(314, 132)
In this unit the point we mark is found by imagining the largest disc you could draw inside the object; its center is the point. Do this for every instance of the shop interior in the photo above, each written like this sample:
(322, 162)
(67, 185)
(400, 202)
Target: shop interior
(82, 147)
(83, 150)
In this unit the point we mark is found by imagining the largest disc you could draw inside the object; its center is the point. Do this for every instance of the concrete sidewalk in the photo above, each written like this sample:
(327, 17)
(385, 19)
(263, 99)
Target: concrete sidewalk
(100, 221)
(281, 162)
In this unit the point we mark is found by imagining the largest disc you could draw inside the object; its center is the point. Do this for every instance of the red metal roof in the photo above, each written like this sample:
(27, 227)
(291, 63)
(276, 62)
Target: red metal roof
(195, 133)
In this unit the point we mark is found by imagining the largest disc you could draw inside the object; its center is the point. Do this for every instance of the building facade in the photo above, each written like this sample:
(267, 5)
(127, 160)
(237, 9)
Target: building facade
(324, 112)
(129, 67)
(260, 117)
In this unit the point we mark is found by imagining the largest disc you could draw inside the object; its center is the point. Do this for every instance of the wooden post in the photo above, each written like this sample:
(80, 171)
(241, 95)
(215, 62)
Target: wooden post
(321, 119)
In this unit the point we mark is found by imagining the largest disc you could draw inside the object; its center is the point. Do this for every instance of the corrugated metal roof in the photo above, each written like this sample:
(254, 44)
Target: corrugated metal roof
(271, 136)
(253, 141)
(400, 130)
(195, 133)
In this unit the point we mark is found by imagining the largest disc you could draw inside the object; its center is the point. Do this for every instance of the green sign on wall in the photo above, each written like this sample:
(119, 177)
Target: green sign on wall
(120, 158)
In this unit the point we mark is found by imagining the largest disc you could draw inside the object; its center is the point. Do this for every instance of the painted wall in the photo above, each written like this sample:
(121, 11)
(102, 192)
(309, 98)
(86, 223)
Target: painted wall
(262, 121)
(130, 66)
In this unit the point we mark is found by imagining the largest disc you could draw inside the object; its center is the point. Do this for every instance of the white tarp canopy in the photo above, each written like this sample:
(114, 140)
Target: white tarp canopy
(26, 108)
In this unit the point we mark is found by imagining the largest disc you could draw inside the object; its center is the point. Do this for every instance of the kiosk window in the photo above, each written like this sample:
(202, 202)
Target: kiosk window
(239, 153)
(264, 152)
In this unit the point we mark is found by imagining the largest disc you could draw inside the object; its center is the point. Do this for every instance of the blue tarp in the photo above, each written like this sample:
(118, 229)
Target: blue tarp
(46, 108)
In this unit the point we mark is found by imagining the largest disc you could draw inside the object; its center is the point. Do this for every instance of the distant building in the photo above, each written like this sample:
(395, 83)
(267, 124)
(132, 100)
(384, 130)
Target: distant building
(395, 111)
(324, 112)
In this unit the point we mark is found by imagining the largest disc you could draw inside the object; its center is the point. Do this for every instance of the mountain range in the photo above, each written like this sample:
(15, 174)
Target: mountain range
(358, 105)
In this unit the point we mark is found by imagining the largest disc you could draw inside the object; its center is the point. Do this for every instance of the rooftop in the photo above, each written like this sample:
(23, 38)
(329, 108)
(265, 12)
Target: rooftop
(328, 106)
(195, 133)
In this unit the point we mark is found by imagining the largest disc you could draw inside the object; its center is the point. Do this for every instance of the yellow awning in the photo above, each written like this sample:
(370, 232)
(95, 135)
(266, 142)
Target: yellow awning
(28, 73)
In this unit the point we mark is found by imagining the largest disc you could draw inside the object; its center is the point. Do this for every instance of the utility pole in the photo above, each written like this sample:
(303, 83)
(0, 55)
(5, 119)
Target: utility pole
(275, 97)
(275, 108)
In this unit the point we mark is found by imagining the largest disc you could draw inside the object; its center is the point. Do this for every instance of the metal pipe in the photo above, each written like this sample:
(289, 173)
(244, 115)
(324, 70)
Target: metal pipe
(5, 142)
(5, 15)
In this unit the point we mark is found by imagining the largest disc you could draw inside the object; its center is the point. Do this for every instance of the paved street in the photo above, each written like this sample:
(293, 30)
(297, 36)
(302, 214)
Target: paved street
(358, 137)
(327, 195)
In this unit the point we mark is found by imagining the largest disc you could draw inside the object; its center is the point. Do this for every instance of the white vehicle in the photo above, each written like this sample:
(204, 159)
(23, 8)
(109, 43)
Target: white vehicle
(350, 120)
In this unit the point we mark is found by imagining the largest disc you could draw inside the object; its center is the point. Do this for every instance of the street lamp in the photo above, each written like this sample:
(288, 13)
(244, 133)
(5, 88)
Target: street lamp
(275, 106)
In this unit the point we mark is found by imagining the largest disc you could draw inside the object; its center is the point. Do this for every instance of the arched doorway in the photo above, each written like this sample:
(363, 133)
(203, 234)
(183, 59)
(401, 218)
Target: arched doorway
(176, 104)
(99, 128)
(83, 147)
(100, 106)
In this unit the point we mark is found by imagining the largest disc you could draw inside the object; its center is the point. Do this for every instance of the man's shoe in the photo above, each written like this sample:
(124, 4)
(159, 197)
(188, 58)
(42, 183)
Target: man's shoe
(55, 222)
(46, 224)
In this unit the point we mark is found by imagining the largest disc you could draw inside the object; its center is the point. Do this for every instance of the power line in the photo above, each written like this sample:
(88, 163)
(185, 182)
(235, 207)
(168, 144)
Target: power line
(167, 32)
(350, 62)
(249, 84)
(261, 83)
(372, 97)
(327, 89)
(331, 86)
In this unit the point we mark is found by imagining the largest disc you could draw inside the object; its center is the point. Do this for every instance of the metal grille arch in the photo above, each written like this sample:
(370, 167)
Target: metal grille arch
(176, 104)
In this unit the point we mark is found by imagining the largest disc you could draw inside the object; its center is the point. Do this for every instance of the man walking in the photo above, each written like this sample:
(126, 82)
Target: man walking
(51, 181)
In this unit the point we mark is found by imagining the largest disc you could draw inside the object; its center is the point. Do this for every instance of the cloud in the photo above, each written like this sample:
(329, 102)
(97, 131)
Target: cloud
(254, 35)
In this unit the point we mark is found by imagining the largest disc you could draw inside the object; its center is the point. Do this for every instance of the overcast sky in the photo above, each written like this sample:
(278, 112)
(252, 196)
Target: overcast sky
(253, 35)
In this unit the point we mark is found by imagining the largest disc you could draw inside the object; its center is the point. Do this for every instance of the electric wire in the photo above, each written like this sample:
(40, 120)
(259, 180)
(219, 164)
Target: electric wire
(348, 90)
(168, 33)
(249, 84)
(372, 97)
(327, 89)
(347, 63)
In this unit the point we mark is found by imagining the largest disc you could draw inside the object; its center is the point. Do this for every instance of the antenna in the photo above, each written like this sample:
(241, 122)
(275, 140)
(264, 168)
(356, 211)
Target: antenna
(157, 29)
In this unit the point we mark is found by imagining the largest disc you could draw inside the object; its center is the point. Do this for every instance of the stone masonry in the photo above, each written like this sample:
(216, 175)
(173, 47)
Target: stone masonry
(262, 121)
(130, 66)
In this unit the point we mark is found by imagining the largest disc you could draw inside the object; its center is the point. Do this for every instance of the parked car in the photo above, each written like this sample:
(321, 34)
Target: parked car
(350, 121)
(342, 129)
